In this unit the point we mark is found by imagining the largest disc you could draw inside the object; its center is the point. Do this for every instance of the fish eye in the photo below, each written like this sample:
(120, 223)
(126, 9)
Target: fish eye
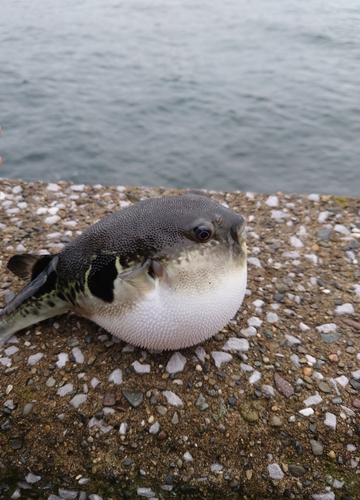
(203, 233)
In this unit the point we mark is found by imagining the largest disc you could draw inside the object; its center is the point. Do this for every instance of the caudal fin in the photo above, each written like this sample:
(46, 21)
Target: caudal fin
(37, 301)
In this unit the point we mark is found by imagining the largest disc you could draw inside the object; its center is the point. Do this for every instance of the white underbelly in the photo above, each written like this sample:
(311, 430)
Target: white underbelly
(169, 318)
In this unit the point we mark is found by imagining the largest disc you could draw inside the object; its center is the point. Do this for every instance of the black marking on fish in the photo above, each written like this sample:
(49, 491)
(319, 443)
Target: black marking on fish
(102, 276)
(28, 266)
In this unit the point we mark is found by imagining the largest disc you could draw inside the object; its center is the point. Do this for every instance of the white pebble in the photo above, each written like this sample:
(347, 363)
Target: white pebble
(63, 358)
(34, 358)
(272, 201)
(323, 496)
(77, 187)
(31, 478)
(295, 359)
(53, 219)
(78, 355)
(351, 447)
(246, 368)
(338, 484)
(17, 189)
(216, 467)
(272, 317)
(344, 309)
(275, 471)
(78, 400)
(250, 331)
(306, 412)
(52, 187)
(94, 382)
(11, 350)
(313, 400)
(172, 398)
(268, 389)
(327, 328)
(258, 303)
(293, 340)
(123, 428)
(303, 327)
(176, 363)
(235, 344)
(310, 359)
(279, 214)
(140, 368)
(291, 255)
(187, 457)
(330, 420)
(154, 429)
(254, 321)
(323, 216)
(255, 377)
(296, 242)
(200, 353)
(145, 492)
(311, 256)
(340, 228)
(220, 357)
(65, 389)
(254, 261)
(342, 380)
(314, 197)
(356, 374)
(116, 377)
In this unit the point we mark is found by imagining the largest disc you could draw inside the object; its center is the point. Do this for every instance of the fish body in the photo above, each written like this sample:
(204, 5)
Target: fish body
(164, 273)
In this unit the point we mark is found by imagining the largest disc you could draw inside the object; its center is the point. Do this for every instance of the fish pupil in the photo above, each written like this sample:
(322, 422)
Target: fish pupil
(203, 233)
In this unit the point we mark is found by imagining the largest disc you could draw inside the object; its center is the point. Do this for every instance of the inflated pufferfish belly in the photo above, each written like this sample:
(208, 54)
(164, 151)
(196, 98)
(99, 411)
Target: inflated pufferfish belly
(164, 273)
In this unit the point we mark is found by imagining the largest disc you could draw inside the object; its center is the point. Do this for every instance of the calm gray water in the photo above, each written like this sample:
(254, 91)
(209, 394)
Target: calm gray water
(226, 95)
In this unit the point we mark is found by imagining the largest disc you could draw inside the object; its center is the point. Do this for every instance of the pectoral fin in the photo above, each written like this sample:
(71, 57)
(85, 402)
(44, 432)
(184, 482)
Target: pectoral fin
(143, 278)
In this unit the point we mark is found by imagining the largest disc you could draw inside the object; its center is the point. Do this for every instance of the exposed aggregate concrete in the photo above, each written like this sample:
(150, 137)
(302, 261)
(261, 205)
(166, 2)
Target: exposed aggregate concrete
(267, 408)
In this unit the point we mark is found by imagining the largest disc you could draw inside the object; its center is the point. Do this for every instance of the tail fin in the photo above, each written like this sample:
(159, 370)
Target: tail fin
(39, 300)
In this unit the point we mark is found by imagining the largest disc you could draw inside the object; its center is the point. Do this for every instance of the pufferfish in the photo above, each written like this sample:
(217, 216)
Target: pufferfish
(164, 273)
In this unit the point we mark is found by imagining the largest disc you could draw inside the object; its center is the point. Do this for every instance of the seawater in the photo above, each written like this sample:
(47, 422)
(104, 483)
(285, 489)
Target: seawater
(230, 95)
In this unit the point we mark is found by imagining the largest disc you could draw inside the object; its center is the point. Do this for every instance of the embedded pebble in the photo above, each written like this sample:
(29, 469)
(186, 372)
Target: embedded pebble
(67, 494)
(255, 377)
(313, 400)
(34, 358)
(235, 344)
(77, 400)
(344, 309)
(141, 368)
(172, 398)
(201, 403)
(116, 377)
(154, 429)
(64, 390)
(323, 496)
(330, 420)
(134, 398)
(188, 457)
(283, 386)
(78, 355)
(123, 428)
(32, 478)
(316, 447)
(176, 363)
(63, 358)
(275, 471)
(220, 357)
(200, 353)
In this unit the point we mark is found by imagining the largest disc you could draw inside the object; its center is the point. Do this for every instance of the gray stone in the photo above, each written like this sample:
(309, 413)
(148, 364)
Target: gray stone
(50, 382)
(330, 338)
(324, 234)
(134, 398)
(275, 471)
(355, 384)
(323, 387)
(275, 421)
(296, 470)
(283, 386)
(316, 447)
(201, 403)
(67, 494)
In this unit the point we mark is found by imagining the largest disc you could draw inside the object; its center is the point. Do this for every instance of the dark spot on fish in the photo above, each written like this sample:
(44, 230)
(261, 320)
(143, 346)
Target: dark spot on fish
(61, 296)
(101, 278)
(51, 303)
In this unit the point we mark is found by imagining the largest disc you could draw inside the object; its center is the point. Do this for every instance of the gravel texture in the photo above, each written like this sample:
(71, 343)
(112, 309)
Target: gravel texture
(267, 408)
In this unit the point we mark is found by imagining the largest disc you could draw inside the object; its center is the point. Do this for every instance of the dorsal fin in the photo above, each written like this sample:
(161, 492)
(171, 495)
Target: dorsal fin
(28, 266)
